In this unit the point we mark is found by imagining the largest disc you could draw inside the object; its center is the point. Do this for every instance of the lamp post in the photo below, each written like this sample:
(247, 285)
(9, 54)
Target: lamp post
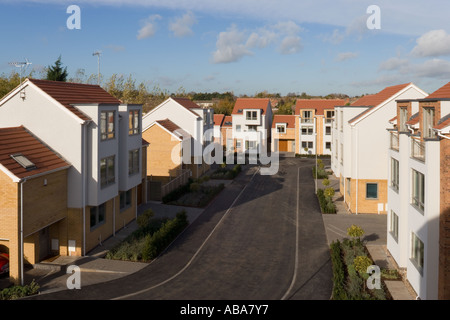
(315, 149)
(98, 53)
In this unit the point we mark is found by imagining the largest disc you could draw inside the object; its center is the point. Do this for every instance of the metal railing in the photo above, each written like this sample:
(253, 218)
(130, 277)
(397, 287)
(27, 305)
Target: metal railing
(307, 120)
(181, 179)
(417, 149)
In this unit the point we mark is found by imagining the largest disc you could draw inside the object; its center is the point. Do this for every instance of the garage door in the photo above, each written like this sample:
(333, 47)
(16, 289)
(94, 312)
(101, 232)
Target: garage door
(283, 145)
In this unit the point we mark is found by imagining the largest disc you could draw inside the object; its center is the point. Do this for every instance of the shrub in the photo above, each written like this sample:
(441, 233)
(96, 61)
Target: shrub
(194, 187)
(356, 233)
(326, 182)
(159, 241)
(321, 173)
(326, 203)
(339, 292)
(144, 218)
(177, 193)
(16, 292)
(329, 192)
(361, 264)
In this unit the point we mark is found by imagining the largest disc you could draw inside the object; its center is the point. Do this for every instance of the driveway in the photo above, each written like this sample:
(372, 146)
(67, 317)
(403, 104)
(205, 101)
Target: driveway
(262, 238)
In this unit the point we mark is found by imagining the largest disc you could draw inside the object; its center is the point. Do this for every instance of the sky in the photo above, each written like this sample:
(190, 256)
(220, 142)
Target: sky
(319, 47)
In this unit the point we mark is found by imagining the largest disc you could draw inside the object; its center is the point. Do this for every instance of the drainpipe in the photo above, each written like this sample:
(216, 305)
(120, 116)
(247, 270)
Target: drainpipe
(21, 231)
(357, 176)
(84, 127)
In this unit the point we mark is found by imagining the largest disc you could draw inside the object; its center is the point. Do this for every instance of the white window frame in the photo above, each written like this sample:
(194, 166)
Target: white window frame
(417, 252)
(418, 190)
(395, 174)
(133, 122)
(393, 225)
(107, 125)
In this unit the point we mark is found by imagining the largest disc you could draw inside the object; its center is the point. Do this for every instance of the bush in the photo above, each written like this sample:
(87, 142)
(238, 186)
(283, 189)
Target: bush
(326, 203)
(162, 238)
(178, 192)
(144, 218)
(339, 292)
(16, 292)
(321, 173)
(361, 264)
(194, 187)
(326, 182)
(329, 192)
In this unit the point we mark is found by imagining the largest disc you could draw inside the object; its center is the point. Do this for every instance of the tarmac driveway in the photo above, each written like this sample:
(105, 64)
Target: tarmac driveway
(262, 238)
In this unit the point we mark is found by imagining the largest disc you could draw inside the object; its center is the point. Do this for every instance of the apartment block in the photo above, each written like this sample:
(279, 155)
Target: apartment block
(314, 119)
(418, 218)
(360, 147)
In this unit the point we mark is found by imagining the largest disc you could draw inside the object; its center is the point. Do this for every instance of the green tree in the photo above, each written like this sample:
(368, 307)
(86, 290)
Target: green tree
(57, 72)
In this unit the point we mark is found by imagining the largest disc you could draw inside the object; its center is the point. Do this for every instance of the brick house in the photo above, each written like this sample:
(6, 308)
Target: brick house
(283, 133)
(101, 140)
(418, 194)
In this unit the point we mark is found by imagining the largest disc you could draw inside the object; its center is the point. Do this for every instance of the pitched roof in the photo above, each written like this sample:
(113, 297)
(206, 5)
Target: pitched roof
(319, 105)
(227, 121)
(414, 119)
(68, 93)
(375, 99)
(441, 93)
(173, 128)
(218, 119)
(443, 122)
(18, 140)
(288, 119)
(251, 103)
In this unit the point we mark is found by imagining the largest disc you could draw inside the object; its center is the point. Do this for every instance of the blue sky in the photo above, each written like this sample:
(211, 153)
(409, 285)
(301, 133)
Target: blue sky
(245, 46)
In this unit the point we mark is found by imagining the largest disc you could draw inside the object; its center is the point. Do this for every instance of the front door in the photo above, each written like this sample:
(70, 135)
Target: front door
(283, 145)
(44, 244)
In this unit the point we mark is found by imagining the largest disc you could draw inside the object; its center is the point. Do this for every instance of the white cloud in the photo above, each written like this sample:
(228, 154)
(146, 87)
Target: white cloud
(336, 37)
(291, 45)
(435, 68)
(394, 63)
(148, 28)
(230, 46)
(347, 56)
(433, 44)
(181, 26)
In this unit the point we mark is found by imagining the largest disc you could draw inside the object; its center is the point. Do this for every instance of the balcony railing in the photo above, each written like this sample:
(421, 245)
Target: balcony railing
(418, 149)
(329, 120)
(307, 120)
(395, 141)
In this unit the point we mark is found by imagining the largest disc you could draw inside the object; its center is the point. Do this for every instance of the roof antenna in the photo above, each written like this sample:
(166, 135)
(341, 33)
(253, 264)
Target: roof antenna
(22, 66)
(98, 54)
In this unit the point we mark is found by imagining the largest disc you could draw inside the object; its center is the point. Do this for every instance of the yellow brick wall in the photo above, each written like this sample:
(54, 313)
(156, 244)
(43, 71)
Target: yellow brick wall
(365, 205)
(159, 154)
(320, 129)
(297, 134)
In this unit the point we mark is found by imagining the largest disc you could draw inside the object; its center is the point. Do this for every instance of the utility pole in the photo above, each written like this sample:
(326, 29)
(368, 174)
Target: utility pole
(98, 53)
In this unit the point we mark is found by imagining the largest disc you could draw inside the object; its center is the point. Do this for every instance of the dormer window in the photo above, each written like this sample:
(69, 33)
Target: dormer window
(403, 119)
(281, 128)
(428, 123)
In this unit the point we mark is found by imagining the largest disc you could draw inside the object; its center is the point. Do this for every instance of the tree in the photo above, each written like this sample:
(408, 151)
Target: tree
(57, 72)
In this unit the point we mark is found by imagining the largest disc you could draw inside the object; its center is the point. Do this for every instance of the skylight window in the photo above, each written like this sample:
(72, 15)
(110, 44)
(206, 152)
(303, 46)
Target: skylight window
(23, 161)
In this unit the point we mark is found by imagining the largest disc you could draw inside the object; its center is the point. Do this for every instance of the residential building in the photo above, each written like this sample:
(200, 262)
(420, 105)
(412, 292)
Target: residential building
(314, 118)
(283, 133)
(196, 121)
(360, 147)
(252, 123)
(101, 140)
(222, 129)
(418, 193)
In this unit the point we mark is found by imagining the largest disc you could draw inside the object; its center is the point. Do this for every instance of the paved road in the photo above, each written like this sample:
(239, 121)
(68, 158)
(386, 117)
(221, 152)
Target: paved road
(262, 238)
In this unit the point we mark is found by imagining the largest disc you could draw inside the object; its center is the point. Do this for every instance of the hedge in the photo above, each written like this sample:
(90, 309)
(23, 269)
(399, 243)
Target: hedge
(16, 292)
(326, 203)
(161, 239)
(339, 292)
(178, 192)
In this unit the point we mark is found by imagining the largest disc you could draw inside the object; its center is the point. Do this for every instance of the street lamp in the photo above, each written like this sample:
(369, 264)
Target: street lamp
(98, 53)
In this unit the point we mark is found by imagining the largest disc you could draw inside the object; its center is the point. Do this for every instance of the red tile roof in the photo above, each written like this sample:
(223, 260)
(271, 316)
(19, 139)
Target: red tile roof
(251, 103)
(375, 99)
(414, 119)
(172, 127)
(18, 140)
(443, 122)
(288, 119)
(218, 119)
(319, 105)
(227, 121)
(441, 93)
(68, 93)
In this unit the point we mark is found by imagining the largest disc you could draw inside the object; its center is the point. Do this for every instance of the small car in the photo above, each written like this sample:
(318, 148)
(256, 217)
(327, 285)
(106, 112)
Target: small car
(4, 263)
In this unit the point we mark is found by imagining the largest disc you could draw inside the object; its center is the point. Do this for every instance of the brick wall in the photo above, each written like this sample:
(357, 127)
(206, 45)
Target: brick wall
(366, 205)
(444, 223)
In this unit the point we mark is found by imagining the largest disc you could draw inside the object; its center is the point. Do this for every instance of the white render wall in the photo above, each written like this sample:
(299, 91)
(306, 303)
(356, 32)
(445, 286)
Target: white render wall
(52, 123)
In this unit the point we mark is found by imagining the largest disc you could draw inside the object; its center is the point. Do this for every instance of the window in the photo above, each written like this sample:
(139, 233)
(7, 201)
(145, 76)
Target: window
(328, 131)
(418, 190)
(23, 161)
(107, 129)
(252, 128)
(133, 162)
(371, 190)
(251, 144)
(330, 114)
(307, 117)
(238, 144)
(252, 115)
(328, 145)
(428, 123)
(342, 153)
(98, 215)
(307, 144)
(393, 226)
(238, 128)
(349, 185)
(107, 171)
(281, 128)
(394, 174)
(403, 119)
(336, 151)
(341, 120)
(417, 251)
(307, 131)
(133, 125)
(125, 200)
